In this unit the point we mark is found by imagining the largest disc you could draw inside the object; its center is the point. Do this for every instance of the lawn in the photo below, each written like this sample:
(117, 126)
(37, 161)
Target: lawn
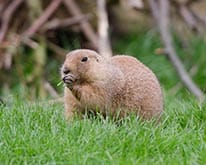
(37, 133)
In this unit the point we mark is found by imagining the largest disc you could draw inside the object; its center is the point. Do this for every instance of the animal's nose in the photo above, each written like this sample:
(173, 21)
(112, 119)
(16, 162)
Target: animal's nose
(66, 70)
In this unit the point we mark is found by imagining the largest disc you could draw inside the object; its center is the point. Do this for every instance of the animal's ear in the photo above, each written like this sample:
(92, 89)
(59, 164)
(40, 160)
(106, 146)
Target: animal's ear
(98, 58)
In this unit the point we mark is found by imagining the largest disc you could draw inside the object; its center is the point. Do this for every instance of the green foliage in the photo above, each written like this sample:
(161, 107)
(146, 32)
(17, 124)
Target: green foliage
(37, 133)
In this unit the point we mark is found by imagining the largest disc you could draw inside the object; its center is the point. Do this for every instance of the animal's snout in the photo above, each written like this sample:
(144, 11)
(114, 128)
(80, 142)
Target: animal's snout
(64, 79)
(66, 71)
(69, 80)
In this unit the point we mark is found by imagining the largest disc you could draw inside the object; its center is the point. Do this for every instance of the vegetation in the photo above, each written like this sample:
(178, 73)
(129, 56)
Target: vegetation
(37, 133)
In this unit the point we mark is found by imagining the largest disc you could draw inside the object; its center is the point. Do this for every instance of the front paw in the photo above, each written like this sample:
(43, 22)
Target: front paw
(76, 90)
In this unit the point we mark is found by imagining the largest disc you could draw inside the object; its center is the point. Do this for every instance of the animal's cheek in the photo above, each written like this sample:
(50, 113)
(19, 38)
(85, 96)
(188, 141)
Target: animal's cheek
(84, 75)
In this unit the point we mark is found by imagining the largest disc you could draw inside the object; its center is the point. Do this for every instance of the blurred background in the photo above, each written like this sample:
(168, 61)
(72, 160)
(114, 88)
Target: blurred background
(35, 36)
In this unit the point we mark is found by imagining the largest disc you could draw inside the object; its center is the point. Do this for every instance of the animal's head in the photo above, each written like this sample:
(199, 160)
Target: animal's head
(82, 66)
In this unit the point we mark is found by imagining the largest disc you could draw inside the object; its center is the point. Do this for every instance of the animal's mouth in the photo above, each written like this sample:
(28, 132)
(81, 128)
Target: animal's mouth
(69, 80)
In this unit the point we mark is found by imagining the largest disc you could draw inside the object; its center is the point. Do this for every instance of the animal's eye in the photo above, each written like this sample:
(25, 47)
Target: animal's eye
(84, 59)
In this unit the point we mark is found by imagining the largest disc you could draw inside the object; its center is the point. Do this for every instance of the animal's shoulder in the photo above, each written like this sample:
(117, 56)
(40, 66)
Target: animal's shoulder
(124, 58)
(125, 62)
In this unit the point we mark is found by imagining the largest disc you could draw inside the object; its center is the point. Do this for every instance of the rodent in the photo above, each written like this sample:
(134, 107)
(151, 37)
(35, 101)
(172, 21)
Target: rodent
(118, 85)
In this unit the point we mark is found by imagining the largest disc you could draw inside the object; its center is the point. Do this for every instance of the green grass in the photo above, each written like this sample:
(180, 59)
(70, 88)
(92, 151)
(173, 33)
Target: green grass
(37, 133)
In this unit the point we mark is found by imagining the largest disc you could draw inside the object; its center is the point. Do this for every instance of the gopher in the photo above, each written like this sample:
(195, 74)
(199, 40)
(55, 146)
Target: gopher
(119, 85)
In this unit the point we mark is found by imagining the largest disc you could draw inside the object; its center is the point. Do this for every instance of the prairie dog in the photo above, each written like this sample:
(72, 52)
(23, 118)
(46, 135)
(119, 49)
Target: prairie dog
(116, 85)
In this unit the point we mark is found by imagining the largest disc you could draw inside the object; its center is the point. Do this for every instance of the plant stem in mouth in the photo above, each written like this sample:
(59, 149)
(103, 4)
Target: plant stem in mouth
(61, 82)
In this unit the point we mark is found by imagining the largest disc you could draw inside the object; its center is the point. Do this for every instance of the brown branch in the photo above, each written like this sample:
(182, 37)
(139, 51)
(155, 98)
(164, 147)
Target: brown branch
(188, 17)
(136, 4)
(154, 6)
(163, 24)
(2, 6)
(50, 89)
(184, 2)
(42, 19)
(57, 23)
(29, 42)
(103, 25)
(85, 26)
(199, 18)
(6, 17)
(59, 52)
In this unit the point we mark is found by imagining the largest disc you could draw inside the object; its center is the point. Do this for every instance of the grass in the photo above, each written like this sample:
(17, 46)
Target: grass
(37, 133)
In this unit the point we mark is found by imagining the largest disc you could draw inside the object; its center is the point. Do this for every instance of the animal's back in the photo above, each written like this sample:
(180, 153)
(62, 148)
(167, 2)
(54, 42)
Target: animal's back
(142, 90)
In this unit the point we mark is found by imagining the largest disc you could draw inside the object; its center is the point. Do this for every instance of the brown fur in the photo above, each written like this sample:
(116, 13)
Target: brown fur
(118, 85)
